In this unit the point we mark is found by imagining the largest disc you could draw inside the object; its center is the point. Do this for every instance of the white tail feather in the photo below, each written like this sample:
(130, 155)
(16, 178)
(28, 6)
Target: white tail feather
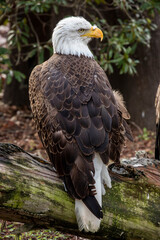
(105, 178)
(85, 218)
(98, 166)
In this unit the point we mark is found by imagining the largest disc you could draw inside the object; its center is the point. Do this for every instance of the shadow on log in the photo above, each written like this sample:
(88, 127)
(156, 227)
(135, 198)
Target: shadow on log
(31, 193)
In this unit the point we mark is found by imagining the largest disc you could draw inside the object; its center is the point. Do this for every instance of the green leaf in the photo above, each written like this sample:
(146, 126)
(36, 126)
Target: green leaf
(41, 56)
(19, 75)
(105, 67)
(125, 68)
(9, 79)
(55, 9)
(4, 50)
(110, 68)
(110, 53)
(133, 48)
(116, 60)
(10, 37)
(24, 40)
(30, 54)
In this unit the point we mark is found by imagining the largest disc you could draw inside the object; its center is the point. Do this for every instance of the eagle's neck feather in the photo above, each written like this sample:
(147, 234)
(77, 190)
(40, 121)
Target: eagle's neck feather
(68, 46)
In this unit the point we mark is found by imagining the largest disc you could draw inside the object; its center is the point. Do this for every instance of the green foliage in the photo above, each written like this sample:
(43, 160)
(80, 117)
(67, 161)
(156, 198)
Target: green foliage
(43, 235)
(4, 60)
(146, 135)
(38, 6)
(39, 234)
(121, 38)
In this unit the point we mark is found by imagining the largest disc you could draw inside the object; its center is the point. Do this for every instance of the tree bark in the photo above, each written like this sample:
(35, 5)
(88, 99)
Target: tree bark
(32, 193)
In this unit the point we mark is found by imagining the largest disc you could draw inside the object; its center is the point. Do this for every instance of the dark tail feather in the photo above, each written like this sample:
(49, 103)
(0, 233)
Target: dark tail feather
(157, 145)
(128, 132)
(93, 205)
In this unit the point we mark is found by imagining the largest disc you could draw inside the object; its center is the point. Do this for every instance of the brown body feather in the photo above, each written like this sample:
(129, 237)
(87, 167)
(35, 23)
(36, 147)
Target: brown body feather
(76, 115)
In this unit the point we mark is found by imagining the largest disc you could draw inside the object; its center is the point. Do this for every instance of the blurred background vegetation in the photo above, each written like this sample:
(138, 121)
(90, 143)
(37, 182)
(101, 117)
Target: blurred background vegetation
(129, 53)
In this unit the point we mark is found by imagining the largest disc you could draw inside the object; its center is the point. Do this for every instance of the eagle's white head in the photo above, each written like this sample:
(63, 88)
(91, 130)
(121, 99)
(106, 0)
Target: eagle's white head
(71, 36)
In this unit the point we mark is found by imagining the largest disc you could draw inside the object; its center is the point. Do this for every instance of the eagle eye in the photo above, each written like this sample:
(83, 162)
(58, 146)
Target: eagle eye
(81, 30)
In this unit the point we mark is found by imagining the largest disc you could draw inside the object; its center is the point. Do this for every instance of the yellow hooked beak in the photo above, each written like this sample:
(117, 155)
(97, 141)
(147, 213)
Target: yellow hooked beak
(94, 33)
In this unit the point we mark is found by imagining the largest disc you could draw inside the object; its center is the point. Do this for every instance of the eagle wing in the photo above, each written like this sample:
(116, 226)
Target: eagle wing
(76, 115)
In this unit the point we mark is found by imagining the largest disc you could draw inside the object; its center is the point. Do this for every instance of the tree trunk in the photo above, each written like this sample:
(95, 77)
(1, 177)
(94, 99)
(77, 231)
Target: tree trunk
(31, 192)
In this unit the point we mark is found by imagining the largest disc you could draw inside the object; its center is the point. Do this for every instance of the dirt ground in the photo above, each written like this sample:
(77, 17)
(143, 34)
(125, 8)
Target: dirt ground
(16, 126)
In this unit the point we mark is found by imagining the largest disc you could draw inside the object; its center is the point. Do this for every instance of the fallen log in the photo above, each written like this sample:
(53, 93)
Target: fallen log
(31, 193)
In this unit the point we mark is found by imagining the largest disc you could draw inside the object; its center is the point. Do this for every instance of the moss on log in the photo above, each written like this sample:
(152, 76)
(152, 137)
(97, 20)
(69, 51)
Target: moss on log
(31, 192)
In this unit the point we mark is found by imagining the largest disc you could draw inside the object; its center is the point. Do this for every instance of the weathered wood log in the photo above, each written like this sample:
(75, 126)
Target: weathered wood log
(31, 192)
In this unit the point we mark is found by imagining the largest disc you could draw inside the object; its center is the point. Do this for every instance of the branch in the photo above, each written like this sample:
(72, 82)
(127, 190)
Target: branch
(3, 17)
(36, 36)
(31, 192)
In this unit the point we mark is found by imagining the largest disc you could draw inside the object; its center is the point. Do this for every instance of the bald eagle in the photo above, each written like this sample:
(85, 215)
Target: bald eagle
(80, 120)
(157, 105)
